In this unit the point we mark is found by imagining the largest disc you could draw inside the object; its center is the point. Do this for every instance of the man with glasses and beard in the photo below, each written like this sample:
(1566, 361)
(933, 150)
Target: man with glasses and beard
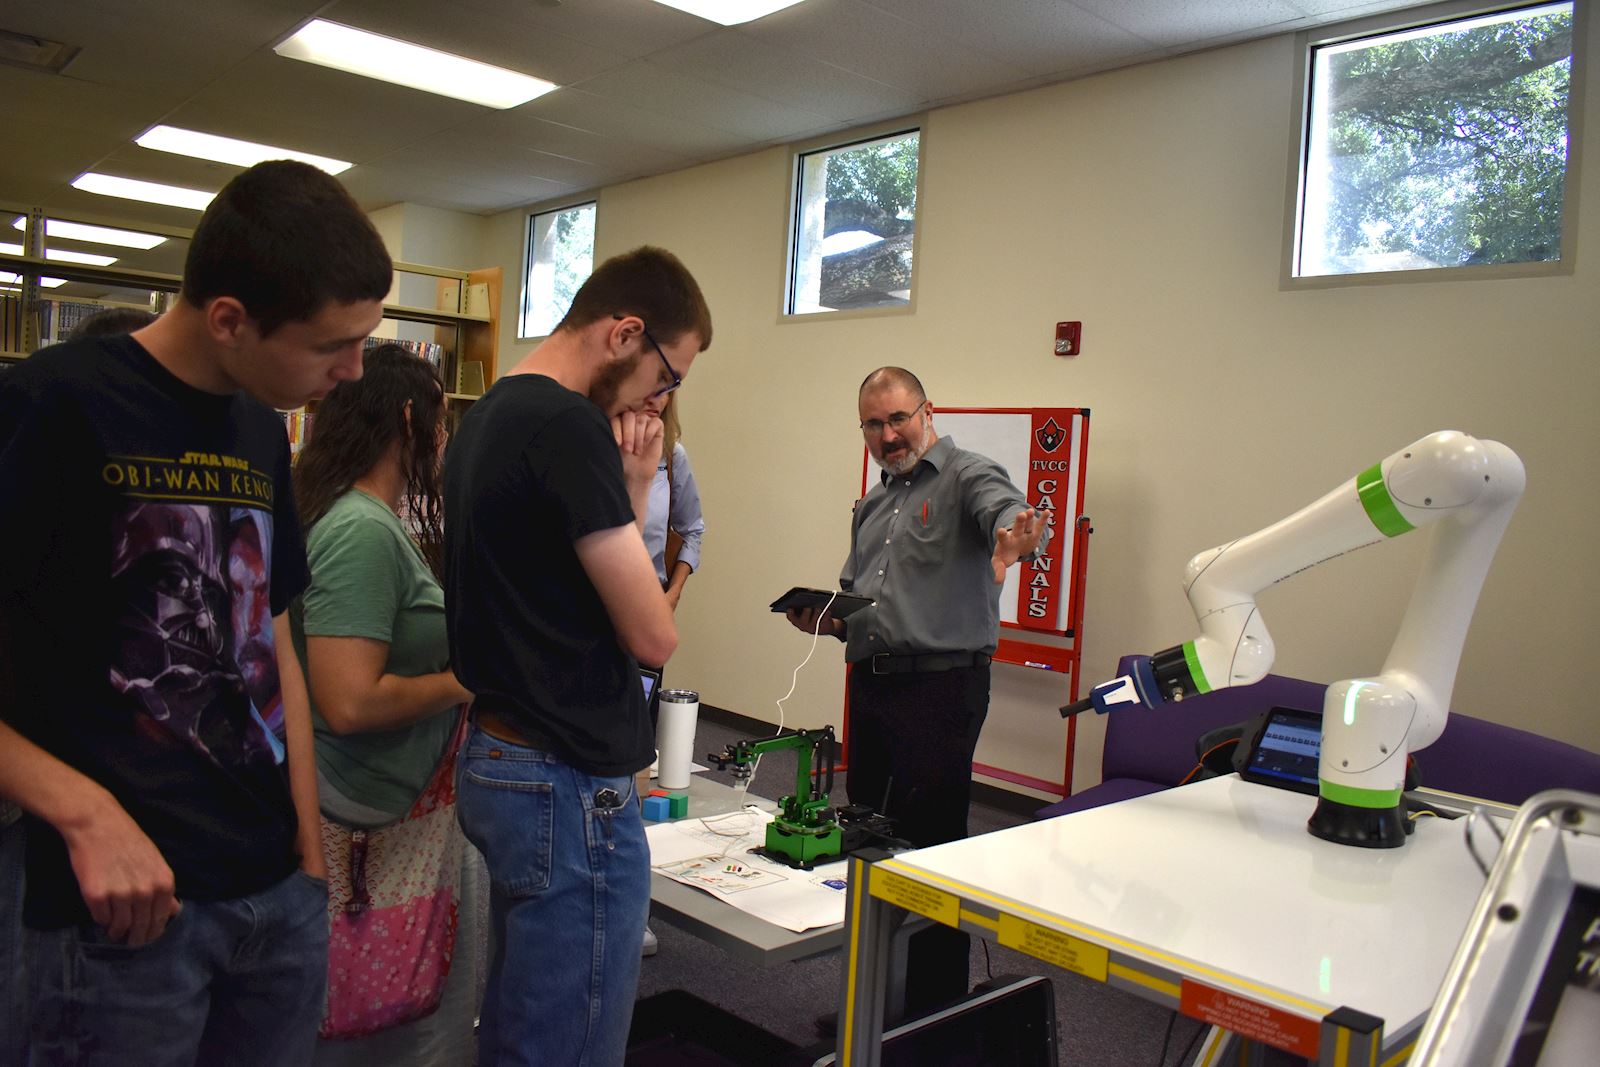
(552, 601)
(929, 544)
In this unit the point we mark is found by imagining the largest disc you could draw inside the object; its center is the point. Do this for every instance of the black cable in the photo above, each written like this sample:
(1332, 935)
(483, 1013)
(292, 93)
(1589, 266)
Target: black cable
(1166, 1039)
(988, 966)
(1198, 1030)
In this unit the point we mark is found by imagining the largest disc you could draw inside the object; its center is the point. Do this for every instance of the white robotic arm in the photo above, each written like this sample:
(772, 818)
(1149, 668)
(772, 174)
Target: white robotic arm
(1465, 488)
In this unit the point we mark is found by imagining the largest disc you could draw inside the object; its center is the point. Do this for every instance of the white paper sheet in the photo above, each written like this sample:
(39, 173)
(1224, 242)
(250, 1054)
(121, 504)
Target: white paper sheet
(713, 855)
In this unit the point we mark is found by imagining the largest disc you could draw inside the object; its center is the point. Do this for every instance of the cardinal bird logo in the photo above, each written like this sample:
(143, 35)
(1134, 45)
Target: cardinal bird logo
(1050, 436)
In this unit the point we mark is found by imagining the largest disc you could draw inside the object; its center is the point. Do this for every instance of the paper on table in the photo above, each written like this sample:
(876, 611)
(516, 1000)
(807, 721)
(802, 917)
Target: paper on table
(714, 855)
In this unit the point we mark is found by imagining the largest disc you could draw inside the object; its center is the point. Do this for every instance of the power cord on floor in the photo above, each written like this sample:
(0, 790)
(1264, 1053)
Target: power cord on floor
(1166, 1040)
(1189, 1048)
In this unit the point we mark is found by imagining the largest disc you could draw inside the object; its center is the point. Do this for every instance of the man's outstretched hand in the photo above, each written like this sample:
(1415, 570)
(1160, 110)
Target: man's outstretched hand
(1025, 534)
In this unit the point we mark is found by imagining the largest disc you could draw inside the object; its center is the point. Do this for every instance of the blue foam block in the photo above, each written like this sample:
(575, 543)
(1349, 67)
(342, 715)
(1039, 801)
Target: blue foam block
(658, 809)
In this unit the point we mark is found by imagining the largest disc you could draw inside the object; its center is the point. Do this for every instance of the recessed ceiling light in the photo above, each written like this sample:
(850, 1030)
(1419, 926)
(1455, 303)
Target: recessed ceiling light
(63, 255)
(96, 235)
(228, 150)
(371, 55)
(730, 12)
(149, 192)
(13, 279)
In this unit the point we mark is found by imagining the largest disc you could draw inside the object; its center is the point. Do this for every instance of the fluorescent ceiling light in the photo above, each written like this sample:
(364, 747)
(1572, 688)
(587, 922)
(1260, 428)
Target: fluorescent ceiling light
(730, 12)
(149, 192)
(228, 150)
(13, 279)
(370, 55)
(96, 235)
(63, 255)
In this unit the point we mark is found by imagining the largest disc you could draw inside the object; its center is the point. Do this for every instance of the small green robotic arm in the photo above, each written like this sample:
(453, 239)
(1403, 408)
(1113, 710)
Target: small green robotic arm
(804, 831)
(809, 803)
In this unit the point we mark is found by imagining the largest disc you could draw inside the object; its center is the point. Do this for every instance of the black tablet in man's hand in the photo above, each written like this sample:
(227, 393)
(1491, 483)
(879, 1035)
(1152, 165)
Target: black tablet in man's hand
(844, 604)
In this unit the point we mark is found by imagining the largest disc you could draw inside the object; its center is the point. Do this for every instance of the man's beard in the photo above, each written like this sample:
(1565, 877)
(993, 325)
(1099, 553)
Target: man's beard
(607, 384)
(903, 461)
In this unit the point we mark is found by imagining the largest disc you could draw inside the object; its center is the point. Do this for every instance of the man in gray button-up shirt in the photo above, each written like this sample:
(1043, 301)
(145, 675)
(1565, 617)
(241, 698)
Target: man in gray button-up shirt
(929, 545)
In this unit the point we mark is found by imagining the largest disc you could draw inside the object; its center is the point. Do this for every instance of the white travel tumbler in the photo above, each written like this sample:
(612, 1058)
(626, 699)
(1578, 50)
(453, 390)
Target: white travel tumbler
(675, 736)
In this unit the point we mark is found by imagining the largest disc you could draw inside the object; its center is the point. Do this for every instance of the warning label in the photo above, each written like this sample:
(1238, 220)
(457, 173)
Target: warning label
(1247, 1018)
(902, 892)
(1053, 946)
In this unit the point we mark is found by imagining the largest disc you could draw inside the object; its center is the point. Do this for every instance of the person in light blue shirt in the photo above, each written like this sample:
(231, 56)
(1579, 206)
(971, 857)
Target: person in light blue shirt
(674, 524)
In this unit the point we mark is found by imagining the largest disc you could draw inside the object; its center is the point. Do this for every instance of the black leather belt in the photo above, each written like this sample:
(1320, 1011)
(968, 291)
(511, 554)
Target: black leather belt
(500, 726)
(927, 662)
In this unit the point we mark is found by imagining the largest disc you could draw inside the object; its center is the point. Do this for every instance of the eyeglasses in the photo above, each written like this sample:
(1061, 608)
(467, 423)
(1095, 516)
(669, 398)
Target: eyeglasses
(895, 422)
(677, 379)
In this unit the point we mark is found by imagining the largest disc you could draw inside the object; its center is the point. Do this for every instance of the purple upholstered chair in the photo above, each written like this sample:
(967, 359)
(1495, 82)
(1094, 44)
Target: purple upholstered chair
(1148, 750)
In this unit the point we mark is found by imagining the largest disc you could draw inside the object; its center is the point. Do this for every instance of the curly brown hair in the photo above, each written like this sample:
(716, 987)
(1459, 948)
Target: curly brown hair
(358, 422)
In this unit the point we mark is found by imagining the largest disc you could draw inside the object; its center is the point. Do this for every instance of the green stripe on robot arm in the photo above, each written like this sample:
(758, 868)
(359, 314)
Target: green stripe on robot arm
(1192, 658)
(1358, 798)
(1380, 505)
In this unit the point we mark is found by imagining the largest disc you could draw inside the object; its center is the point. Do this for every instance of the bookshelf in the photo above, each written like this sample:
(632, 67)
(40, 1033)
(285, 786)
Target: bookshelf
(457, 310)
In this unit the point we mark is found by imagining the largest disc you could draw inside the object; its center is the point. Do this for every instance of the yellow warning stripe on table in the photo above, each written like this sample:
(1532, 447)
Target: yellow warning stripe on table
(1070, 953)
(902, 892)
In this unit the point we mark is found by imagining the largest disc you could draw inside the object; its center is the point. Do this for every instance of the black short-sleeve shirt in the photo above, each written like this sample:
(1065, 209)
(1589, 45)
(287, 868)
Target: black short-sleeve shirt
(149, 537)
(533, 468)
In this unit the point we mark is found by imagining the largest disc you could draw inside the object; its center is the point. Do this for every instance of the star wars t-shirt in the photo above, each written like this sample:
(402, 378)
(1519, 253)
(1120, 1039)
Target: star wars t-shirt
(149, 537)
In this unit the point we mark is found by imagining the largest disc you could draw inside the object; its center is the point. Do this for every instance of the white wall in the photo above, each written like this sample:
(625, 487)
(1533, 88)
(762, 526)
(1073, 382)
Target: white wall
(1148, 203)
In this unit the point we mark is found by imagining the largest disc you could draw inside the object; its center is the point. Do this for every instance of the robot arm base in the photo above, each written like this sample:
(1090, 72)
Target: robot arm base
(1348, 824)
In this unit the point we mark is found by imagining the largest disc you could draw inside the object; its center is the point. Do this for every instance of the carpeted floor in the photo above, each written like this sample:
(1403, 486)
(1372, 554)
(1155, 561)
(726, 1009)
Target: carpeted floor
(1099, 1026)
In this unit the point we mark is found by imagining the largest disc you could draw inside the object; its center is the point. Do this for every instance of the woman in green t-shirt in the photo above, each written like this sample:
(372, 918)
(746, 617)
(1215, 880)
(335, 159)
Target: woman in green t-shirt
(370, 634)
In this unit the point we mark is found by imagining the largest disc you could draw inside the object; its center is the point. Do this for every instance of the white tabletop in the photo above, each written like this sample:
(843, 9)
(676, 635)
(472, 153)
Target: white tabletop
(1223, 876)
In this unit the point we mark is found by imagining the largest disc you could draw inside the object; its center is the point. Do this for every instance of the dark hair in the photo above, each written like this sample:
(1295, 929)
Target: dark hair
(285, 240)
(889, 377)
(108, 322)
(651, 283)
(355, 424)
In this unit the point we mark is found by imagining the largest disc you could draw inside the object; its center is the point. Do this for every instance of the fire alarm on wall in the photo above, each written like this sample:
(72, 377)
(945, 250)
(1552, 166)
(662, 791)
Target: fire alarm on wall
(1069, 337)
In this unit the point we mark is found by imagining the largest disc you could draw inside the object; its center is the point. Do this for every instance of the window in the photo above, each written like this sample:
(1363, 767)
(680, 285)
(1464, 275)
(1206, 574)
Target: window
(854, 224)
(560, 259)
(1438, 146)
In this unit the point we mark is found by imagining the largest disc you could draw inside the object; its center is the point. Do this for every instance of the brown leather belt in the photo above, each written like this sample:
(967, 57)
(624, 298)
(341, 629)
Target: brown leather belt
(503, 728)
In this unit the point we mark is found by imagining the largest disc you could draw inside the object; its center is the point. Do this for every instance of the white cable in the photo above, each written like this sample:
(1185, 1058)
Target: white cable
(794, 681)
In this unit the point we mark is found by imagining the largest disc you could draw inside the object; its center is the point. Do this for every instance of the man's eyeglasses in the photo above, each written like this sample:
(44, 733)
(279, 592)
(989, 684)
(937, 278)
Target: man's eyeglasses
(677, 379)
(895, 422)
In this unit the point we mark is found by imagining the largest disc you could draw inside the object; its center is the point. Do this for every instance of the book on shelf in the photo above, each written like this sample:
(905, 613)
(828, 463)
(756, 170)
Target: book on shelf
(297, 424)
(428, 350)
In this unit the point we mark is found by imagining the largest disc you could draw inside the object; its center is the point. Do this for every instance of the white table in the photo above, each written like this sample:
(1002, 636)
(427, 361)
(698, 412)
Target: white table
(1211, 899)
(742, 936)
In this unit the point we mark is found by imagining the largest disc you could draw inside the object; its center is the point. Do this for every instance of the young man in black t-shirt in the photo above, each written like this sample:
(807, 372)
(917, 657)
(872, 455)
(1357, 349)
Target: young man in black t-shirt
(552, 601)
(155, 726)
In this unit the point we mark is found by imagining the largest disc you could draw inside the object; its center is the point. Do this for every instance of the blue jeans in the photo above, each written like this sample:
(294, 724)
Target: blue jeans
(231, 981)
(569, 872)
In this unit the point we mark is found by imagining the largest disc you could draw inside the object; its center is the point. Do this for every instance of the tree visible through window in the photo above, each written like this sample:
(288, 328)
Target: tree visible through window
(1440, 146)
(855, 220)
(560, 259)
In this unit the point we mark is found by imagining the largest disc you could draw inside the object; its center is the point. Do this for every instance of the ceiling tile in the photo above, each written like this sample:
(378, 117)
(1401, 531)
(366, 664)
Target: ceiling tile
(617, 120)
(925, 62)
(736, 60)
(1173, 25)
(1034, 36)
(648, 87)
(631, 28)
